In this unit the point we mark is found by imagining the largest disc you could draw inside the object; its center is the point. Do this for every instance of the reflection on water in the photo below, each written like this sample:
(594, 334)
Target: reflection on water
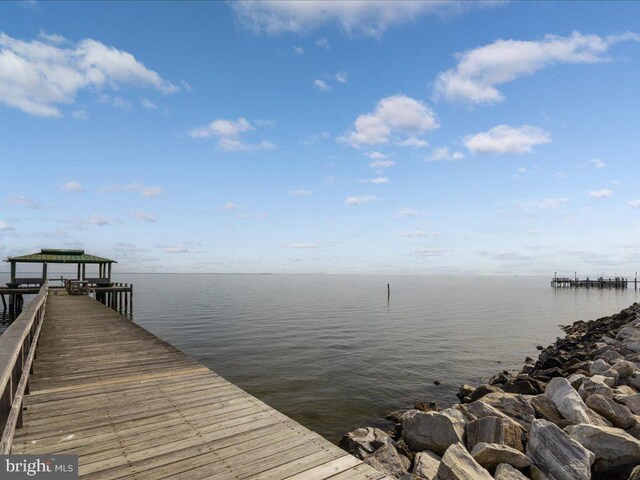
(334, 353)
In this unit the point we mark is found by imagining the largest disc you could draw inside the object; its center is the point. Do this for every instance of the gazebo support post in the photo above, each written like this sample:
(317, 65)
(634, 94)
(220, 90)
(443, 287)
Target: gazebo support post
(78, 276)
(44, 272)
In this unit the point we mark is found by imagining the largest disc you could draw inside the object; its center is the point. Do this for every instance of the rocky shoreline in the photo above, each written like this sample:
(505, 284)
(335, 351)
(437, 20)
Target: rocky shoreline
(573, 414)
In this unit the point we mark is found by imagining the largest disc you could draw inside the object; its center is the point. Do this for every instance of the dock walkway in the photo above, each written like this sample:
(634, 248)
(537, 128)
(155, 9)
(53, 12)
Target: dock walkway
(132, 406)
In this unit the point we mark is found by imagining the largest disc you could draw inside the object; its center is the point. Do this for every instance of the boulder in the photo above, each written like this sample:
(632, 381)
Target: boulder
(623, 390)
(426, 465)
(433, 431)
(494, 430)
(514, 405)
(612, 447)
(569, 403)
(478, 409)
(631, 401)
(594, 385)
(627, 332)
(387, 460)
(635, 474)
(576, 380)
(545, 408)
(556, 455)
(634, 381)
(458, 464)
(619, 415)
(483, 390)
(631, 344)
(464, 392)
(490, 455)
(624, 368)
(364, 441)
(504, 471)
(610, 357)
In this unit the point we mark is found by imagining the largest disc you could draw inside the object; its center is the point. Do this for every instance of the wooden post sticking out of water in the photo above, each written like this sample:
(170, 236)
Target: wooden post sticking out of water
(388, 291)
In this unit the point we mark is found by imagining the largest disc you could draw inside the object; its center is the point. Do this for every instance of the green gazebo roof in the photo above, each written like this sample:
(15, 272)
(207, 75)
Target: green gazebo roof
(49, 255)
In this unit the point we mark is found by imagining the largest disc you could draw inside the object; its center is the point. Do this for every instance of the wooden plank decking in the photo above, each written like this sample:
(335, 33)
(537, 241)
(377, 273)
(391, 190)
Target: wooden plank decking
(133, 406)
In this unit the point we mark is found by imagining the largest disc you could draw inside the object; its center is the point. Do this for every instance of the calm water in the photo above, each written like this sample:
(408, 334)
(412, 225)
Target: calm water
(329, 351)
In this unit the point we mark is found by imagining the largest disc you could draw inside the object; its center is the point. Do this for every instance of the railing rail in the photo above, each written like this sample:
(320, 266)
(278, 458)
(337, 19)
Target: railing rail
(17, 352)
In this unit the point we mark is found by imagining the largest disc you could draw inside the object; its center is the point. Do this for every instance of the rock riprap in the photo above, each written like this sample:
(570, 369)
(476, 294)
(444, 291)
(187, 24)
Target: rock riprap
(572, 414)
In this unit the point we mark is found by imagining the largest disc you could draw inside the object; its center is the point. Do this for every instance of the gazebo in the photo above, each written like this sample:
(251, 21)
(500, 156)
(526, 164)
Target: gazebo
(47, 256)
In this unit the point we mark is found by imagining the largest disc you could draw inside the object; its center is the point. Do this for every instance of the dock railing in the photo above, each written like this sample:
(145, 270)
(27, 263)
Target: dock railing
(17, 352)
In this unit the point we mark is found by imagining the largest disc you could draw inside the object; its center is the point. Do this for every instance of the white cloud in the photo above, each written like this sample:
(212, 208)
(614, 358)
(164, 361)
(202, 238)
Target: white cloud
(23, 201)
(430, 252)
(228, 133)
(604, 193)
(301, 193)
(230, 207)
(341, 77)
(354, 17)
(376, 155)
(376, 180)
(304, 245)
(480, 71)
(175, 249)
(148, 104)
(410, 213)
(322, 43)
(298, 50)
(100, 220)
(414, 142)
(382, 164)
(321, 85)
(417, 234)
(634, 204)
(144, 190)
(52, 38)
(39, 76)
(505, 139)
(597, 163)
(443, 153)
(144, 216)
(330, 180)
(545, 203)
(80, 114)
(4, 226)
(360, 200)
(399, 114)
(72, 186)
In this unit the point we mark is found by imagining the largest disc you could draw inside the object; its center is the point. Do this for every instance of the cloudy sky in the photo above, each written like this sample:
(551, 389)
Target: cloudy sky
(357, 137)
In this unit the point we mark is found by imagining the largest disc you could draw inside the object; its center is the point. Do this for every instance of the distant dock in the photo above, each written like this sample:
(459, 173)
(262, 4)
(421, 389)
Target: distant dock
(599, 282)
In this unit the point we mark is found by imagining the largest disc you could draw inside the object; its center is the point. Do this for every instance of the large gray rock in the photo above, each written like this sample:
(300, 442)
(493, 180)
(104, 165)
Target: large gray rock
(364, 441)
(490, 455)
(594, 385)
(576, 380)
(612, 447)
(556, 455)
(458, 464)
(569, 403)
(426, 465)
(631, 344)
(434, 431)
(631, 401)
(599, 366)
(387, 460)
(627, 332)
(610, 357)
(545, 408)
(514, 405)
(504, 471)
(624, 368)
(619, 415)
(478, 409)
(494, 430)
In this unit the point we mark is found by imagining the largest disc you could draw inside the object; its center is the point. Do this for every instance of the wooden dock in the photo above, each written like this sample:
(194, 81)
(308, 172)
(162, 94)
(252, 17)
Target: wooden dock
(132, 406)
(599, 282)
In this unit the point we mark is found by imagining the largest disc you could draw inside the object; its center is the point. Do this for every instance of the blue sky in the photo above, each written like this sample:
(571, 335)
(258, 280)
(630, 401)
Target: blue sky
(313, 137)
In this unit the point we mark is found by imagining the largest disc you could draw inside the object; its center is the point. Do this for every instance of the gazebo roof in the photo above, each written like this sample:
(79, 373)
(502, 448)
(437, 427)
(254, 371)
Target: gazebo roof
(49, 255)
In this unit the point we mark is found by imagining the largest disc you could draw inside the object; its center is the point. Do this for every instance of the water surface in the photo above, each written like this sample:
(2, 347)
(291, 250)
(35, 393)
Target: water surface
(332, 353)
